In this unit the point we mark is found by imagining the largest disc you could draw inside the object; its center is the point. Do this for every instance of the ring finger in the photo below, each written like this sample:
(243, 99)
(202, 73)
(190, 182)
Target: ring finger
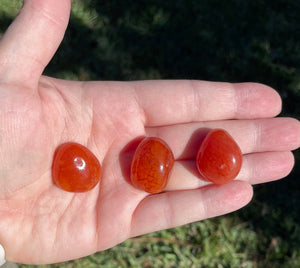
(256, 168)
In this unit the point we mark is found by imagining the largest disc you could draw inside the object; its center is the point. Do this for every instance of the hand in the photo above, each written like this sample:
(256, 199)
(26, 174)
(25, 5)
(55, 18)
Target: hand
(40, 223)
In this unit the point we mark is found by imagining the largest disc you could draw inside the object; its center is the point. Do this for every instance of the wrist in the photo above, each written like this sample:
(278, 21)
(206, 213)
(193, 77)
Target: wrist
(2, 255)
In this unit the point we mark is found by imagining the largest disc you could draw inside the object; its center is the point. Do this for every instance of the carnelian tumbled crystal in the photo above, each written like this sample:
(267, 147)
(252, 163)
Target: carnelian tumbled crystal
(151, 165)
(219, 158)
(75, 168)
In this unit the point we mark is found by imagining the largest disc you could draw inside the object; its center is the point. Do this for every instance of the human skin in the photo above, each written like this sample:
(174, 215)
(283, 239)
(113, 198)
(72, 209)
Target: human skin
(40, 223)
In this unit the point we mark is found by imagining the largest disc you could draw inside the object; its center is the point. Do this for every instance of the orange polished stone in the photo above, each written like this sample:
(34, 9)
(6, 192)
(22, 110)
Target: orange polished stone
(75, 168)
(219, 158)
(151, 165)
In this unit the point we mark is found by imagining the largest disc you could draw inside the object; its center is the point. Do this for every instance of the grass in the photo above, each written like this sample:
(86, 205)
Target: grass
(194, 245)
(212, 40)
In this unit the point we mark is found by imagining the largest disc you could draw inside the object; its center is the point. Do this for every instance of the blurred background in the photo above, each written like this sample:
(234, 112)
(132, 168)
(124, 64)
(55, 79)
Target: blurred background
(219, 40)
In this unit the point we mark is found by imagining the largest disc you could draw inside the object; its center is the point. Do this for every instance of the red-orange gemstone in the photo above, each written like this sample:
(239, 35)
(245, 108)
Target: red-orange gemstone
(219, 159)
(151, 165)
(75, 168)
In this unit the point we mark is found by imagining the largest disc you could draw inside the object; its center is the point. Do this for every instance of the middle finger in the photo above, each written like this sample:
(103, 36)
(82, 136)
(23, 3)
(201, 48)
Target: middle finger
(252, 136)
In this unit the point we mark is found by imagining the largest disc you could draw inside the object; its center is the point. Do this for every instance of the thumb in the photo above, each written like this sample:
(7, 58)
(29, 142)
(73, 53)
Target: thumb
(32, 39)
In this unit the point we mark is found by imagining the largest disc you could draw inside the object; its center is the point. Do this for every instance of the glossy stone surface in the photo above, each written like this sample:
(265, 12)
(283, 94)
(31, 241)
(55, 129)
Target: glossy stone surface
(75, 168)
(151, 165)
(219, 158)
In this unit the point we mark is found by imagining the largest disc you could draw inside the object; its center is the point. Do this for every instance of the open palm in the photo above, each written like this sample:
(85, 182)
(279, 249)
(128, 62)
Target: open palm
(40, 223)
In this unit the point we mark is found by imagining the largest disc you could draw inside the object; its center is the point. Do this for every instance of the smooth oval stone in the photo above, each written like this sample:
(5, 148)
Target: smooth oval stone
(75, 168)
(219, 158)
(151, 165)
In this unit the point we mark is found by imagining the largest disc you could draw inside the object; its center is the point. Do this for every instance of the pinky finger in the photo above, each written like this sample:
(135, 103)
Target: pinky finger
(175, 208)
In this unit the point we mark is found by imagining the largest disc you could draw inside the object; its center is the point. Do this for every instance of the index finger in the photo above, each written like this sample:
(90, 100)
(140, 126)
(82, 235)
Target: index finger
(181, 101)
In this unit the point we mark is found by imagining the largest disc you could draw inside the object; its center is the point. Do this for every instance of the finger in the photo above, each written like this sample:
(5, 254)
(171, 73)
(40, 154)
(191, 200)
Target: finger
(275, 134)
(173, 102)
(32, 39)
(256, 168)
(266, 167)
(171, 209)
